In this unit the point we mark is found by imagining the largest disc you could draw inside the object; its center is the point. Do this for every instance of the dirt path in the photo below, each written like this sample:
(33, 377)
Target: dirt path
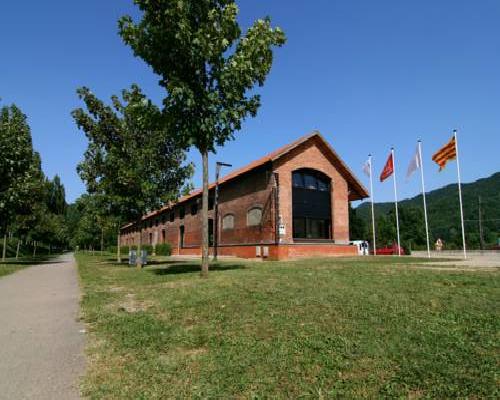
(41, 342)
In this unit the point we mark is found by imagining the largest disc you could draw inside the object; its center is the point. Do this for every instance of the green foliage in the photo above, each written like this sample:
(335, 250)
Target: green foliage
(56, 201)
(205, 64)
(132, 164)
(164, 249)
(32, 207)
(87, 226)
(20, 169)
(444, 215)
(358, 229)
(350, 328)
(208, 69)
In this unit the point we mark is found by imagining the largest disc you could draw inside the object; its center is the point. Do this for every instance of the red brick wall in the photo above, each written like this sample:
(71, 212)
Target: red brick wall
(255, 189)
(312, 155)
(238, 197)
(278, 252)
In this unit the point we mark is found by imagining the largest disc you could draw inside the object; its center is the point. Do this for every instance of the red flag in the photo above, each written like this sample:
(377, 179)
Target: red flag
(388, 169)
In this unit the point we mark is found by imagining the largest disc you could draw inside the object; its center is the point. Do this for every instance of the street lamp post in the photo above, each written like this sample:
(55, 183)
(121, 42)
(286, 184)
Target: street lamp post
(218, 167)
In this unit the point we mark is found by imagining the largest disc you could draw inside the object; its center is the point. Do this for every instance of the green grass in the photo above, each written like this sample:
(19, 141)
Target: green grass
(346, 328)
(12, 265)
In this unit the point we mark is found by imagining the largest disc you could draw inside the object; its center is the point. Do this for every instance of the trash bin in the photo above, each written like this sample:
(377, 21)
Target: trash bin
(144, 257)
(132, 257)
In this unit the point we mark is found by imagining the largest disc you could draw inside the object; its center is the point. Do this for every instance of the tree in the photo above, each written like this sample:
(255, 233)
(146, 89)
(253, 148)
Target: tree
(20, 168)
(132, 164)
(56, 196)
(357, 225)
(208, 69)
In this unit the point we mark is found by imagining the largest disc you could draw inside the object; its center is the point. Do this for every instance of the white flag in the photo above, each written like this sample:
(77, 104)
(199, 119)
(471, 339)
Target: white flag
(414, 165)
(367, 168)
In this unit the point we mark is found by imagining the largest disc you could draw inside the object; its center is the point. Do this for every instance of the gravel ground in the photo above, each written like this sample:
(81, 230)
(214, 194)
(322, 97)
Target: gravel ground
(41, 340)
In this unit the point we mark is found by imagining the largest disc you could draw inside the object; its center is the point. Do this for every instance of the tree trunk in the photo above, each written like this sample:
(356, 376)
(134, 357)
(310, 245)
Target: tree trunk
(204, 217)
(118, 249)
(17, 250)
(102, 240)
(4, 250)
(34, 248)
(138, 262)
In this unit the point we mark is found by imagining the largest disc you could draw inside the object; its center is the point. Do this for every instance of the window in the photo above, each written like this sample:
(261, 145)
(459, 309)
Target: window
(157, 221)
(311, 180)
(181, 236)
(211, 201)
(311, 202)
(298, 180)
(194, 209)
(172, 216)
(228, 221)
(254, 216)
(182, 212)
(163, 236)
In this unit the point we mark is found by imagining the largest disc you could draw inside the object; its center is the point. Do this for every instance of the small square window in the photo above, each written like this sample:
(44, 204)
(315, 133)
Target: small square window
(228, 222)
(182, 212)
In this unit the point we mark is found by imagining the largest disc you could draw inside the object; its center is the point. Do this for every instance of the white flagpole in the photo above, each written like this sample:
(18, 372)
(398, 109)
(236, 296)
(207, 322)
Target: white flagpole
(460, 194)
(396, 200)
(424, 196)
(373, 207)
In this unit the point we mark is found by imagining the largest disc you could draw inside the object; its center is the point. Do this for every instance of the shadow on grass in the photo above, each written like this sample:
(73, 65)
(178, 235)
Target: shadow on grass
(178, 267)
(31, 261)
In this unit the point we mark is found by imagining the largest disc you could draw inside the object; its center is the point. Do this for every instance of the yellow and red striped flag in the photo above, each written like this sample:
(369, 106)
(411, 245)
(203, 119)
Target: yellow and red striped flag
(445, 154)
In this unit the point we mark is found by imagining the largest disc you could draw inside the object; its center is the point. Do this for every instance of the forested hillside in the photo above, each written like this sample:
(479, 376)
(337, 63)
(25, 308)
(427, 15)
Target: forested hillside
(444, 217)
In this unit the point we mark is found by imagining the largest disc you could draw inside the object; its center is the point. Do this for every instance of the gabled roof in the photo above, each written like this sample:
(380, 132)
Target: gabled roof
(356, 189)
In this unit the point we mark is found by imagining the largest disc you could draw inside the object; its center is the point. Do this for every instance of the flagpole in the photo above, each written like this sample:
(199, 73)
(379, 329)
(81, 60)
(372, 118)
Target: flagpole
(396, 200)
(460, 194)
(424, 196)
(373, 207)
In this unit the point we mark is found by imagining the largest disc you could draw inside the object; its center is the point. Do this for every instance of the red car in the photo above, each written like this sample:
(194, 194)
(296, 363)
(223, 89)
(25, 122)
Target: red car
(390, 251)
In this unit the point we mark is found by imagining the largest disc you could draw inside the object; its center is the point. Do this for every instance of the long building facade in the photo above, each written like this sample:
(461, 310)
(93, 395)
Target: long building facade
(292, 203)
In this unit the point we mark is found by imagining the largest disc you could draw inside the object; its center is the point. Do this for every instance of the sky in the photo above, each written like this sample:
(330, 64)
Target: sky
(367, 74)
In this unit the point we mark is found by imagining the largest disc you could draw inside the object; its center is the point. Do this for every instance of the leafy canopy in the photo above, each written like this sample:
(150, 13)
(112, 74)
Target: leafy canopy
(132, 163)
(20, 166)
(207, 67)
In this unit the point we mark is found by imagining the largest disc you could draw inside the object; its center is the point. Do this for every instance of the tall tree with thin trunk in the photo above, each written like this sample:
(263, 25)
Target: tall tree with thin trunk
(20, 168)
(208, 69)
(132, 164)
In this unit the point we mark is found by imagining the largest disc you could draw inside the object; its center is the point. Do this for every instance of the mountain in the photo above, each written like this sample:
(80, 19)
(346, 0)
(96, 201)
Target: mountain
(443, 210)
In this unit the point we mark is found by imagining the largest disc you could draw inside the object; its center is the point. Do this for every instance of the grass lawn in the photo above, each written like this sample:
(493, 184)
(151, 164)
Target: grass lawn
(12, 265)
(345, 328)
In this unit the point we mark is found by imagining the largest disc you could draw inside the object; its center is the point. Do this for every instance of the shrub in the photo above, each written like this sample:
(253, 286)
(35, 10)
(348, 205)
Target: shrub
(163, 249)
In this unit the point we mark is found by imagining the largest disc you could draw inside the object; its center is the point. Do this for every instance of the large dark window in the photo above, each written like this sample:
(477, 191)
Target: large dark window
(311, 205)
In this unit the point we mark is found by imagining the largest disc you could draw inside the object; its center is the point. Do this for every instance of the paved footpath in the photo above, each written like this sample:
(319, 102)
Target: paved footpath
(41, 341)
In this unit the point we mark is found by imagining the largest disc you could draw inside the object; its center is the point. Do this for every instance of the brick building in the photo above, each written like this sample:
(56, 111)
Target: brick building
(291, 203)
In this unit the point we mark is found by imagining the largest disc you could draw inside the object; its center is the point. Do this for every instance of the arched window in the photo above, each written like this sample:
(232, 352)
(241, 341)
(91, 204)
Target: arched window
(311, 205)
(228, 221)
(254, 216)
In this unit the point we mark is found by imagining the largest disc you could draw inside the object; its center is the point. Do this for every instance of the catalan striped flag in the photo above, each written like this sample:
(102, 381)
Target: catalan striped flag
(447, 153)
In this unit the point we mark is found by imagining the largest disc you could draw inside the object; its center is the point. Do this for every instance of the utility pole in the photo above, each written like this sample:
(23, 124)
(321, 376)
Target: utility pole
(481, 232)
(218, 167)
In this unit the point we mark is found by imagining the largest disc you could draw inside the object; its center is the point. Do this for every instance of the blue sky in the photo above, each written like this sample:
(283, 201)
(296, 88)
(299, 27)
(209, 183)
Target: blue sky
(368, 74)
